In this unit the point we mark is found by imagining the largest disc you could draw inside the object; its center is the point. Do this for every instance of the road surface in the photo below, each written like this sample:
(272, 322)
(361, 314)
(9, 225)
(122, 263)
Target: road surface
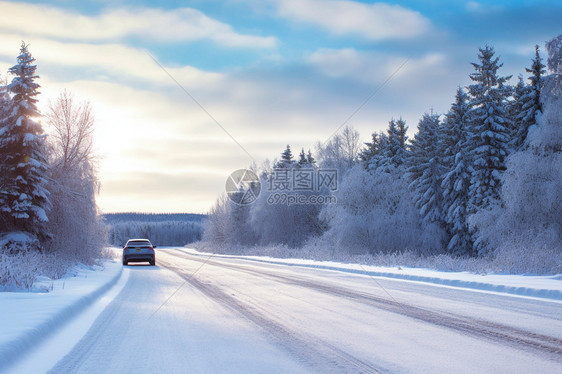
(209, 314)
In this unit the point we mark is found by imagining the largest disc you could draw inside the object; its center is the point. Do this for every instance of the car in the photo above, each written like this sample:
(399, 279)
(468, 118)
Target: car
(139, 250)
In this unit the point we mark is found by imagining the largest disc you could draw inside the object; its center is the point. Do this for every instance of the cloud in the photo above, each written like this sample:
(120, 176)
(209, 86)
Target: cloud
(104, 61)
(378, 21)
(473, 6)
(426, 82)
(370, 67)
(177, 25)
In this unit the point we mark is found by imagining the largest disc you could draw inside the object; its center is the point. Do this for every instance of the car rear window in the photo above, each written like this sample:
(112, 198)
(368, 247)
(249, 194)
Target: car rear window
(139, 243)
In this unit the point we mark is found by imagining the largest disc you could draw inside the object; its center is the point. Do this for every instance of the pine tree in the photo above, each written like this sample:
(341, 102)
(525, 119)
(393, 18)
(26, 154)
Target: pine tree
(456, 180)
(488, 140)
(306, 160)
(454, 123)
(302, 158)
(303, 161)
(4, 110)
(287, 155)
(537, 70)
(21, 151)
(310, 159)
(527, 100)
(379, 158)
(4, 100)
(371, 150)
(396, 151)
(286, 159)
(425, 168)
(518, 130)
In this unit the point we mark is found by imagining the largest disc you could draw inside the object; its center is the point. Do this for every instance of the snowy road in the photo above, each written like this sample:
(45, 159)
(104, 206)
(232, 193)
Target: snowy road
(204, 314)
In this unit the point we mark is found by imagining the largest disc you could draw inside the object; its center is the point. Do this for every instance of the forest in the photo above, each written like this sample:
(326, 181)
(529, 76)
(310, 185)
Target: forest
(174, 229)
(476, 188)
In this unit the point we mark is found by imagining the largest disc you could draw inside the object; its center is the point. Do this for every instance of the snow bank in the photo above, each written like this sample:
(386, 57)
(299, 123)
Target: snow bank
(28, 319)
(543, 287)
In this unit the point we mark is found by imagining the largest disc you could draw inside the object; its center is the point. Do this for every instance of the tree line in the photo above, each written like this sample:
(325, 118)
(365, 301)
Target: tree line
(482, 177)
(160, 233)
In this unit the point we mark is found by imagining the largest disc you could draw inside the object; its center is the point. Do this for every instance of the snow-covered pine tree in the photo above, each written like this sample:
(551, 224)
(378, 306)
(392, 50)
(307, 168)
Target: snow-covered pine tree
(525, 229)
(302, 158)
(425, 168)
(4, 99)
(306, 160)
(379, 159)
(537, 70)
(287, 155)
(26, 199)
(4, 110)
(286, 159)
(310, 159)
(370, 150)
(455, 121)
(418, 153)
(456, 180)
(515, 111)
(396, 150)
(488, 140)
(527, 101)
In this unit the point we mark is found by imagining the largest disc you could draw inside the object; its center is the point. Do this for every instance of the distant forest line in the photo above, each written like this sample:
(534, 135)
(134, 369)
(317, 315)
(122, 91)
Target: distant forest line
(153, 217)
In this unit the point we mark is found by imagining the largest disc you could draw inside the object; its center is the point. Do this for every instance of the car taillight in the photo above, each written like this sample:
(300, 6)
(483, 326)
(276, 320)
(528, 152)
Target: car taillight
(126, 249)
(151, 249)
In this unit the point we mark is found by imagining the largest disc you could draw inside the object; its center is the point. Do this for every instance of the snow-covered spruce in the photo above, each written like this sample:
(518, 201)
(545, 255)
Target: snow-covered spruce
(377, 158)
(489, 133)
(396, 148)
(24, 197)
(456, 180)
(526, 227)
(526, 106)
(425, 168)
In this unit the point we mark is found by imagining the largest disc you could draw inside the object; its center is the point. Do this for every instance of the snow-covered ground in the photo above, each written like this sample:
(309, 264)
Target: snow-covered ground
(548, 287)
(203, 313)
(32, 319)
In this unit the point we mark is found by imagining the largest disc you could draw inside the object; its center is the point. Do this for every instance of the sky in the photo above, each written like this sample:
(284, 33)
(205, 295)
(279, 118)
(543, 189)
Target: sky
(186, 92)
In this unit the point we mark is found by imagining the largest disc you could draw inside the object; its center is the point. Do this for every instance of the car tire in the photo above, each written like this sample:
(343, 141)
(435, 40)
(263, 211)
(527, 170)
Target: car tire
(153, 262)
(125, 263)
